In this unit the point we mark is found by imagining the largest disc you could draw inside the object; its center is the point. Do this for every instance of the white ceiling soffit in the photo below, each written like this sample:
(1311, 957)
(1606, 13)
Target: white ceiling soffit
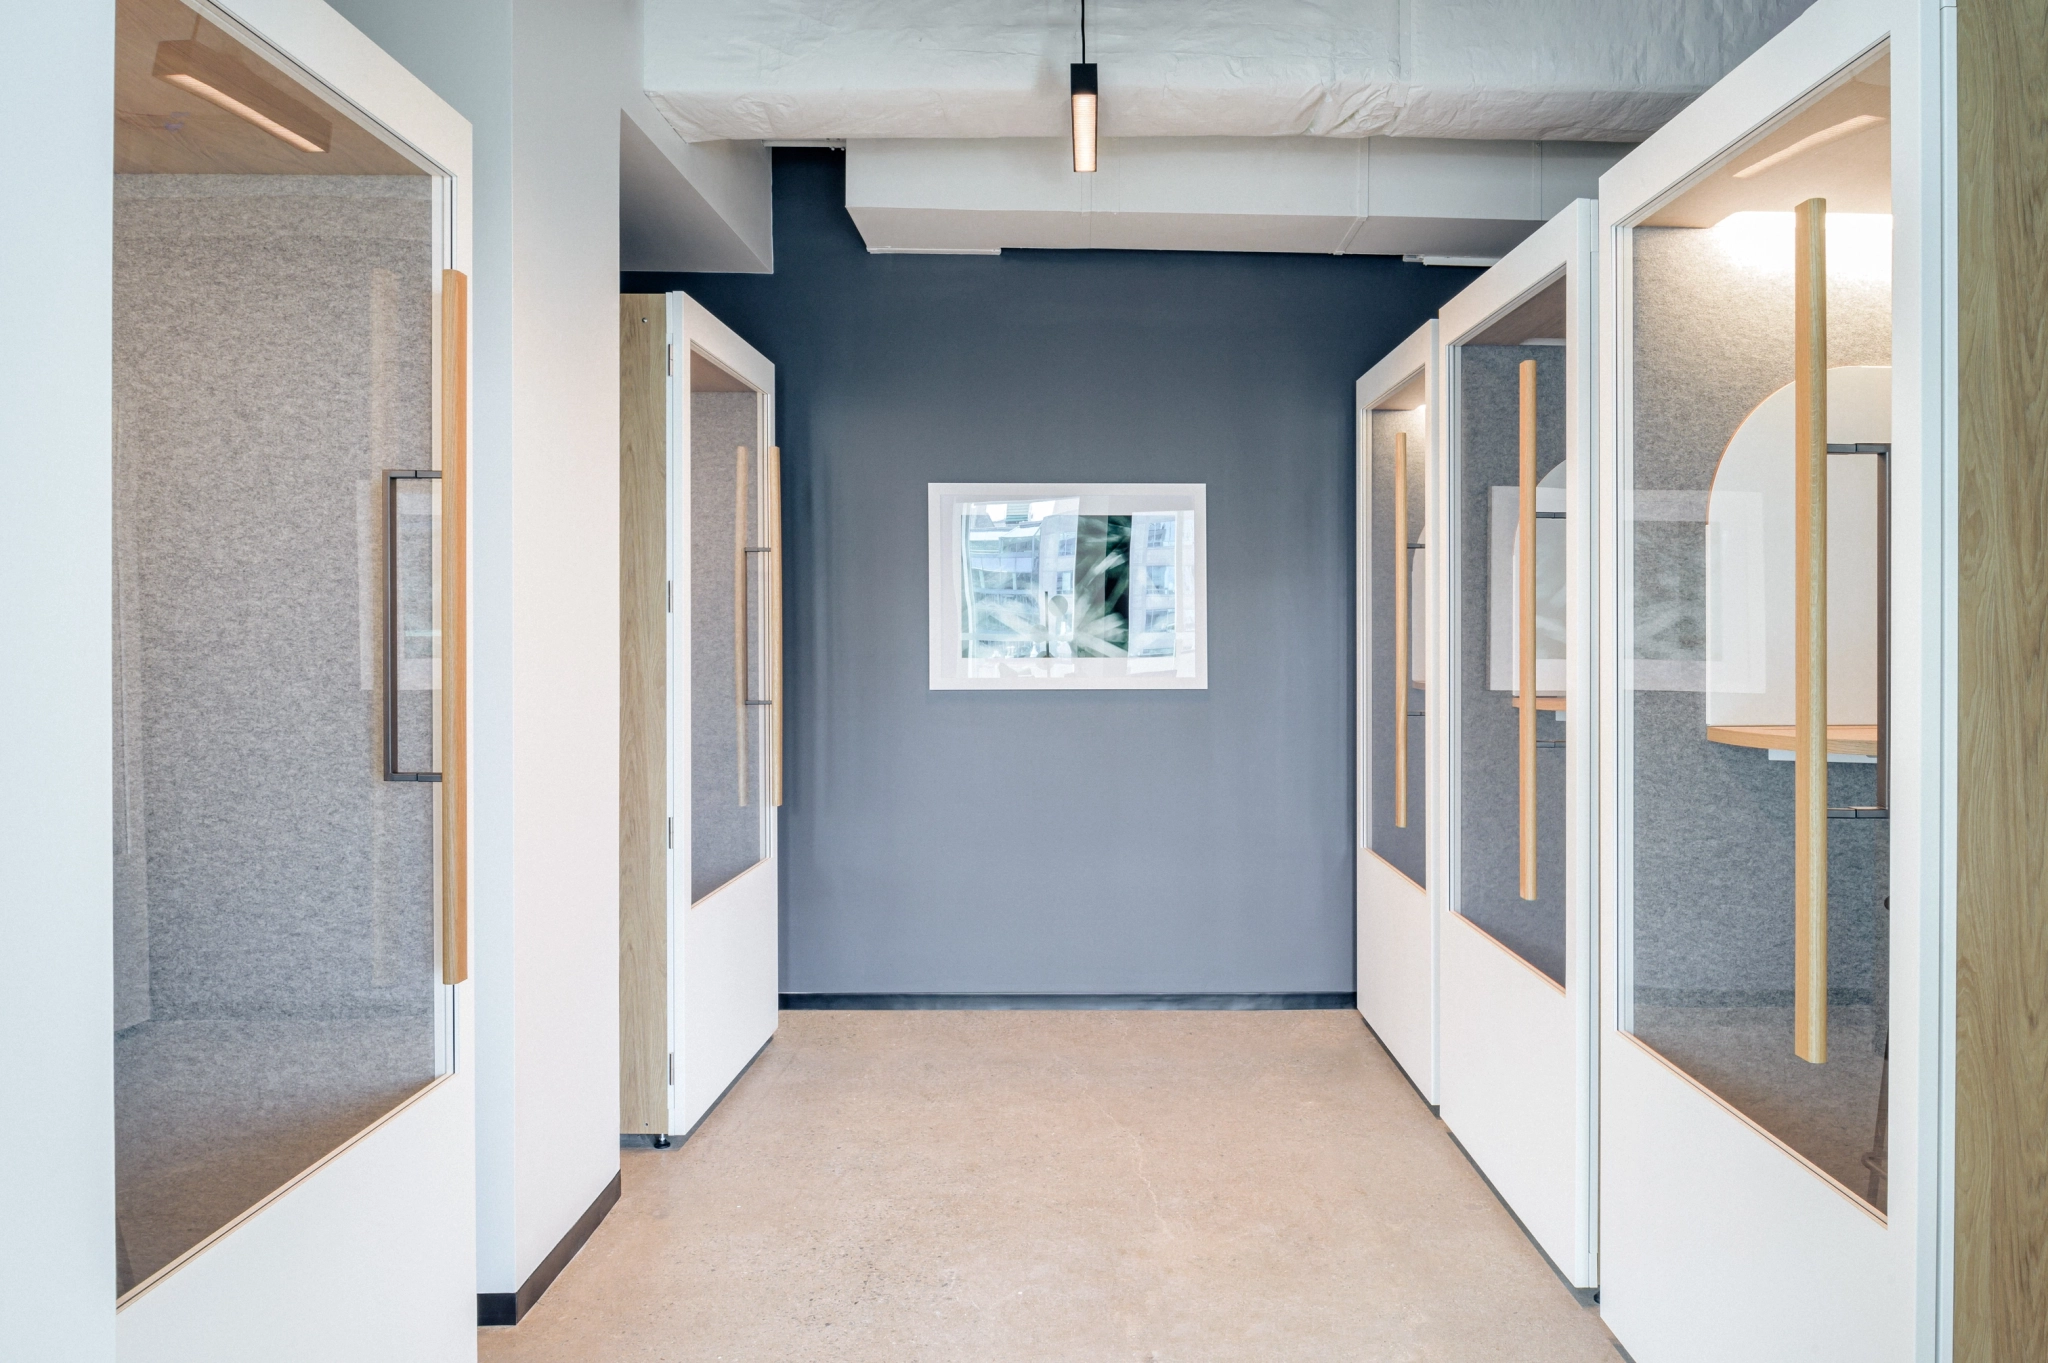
(1354, 196)
(1574, 70)
(691, 205)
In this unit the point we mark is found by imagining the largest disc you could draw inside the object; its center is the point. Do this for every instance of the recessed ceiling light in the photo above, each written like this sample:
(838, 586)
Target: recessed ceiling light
(218, 77)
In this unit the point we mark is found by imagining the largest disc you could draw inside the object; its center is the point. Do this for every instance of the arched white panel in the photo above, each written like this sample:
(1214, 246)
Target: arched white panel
(1750, 561)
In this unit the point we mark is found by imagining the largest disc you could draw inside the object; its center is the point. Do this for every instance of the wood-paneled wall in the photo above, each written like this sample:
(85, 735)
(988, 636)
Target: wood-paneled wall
(643, 713)
(2001, 1148)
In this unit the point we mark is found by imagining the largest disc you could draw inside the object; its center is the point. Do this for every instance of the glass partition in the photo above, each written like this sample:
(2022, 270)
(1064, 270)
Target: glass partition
(729, 594)
(1508, 884)
(1398, 674)
(1756, 617)
(276, 645)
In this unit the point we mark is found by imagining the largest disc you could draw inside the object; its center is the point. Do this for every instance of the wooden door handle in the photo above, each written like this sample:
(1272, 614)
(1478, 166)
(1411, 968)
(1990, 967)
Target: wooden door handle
(1810, 669)
(1401, 629)
(741, 662)
(454, 627)
(1525, 640)
(773, 512)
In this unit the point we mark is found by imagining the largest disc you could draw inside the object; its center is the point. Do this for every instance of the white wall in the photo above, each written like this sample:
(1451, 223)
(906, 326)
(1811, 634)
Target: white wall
(540, 81)
(56, 669)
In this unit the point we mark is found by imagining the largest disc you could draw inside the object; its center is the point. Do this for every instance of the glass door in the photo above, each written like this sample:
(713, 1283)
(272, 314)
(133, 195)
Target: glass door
(734, 596)
(1753, 1089)
(1759, 886)
(282, 758)
(1397, 795)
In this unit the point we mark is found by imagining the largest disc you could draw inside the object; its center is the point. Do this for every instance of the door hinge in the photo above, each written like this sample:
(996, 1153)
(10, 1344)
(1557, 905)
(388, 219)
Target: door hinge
(671, 598)
(671, 830)
(671, 359)
(671, 1069)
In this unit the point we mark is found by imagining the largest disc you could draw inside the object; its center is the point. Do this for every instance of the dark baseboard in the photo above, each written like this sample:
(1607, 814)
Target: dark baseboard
(509, 1308)
(1075, 1002)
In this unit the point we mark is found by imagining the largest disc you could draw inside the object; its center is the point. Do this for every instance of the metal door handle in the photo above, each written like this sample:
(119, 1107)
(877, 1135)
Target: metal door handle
(393, 639)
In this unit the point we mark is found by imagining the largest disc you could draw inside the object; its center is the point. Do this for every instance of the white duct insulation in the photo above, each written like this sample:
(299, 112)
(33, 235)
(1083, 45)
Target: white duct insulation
(1564, 70)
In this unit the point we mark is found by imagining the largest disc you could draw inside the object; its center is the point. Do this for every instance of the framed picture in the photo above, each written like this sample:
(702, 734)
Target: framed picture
(1068, 586)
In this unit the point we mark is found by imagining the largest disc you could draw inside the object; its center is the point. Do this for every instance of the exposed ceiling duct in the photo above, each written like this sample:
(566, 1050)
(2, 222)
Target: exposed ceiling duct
(1571, 70)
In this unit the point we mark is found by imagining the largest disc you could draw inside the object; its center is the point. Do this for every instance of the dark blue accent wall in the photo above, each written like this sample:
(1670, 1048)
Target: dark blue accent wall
(1081, 842)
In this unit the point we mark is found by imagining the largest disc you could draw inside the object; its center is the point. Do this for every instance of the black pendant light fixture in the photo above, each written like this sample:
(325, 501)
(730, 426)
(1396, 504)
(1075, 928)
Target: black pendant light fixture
(1082, 84)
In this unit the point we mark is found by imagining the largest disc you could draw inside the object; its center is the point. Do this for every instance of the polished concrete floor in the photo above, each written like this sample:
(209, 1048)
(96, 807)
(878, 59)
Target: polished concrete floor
(995, 1186)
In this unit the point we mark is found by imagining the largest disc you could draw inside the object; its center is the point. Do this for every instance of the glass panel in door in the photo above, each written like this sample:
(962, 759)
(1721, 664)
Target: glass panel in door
(276, 636)
(1728, 812)
(1515, 894)
(729, 591)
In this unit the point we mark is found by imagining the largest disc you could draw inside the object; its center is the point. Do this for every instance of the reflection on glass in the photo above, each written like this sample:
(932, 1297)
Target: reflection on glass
(274, 912)
(1042, 582)
(1711, 608)
(1402, 846)
(1489, 793)
(728, 656)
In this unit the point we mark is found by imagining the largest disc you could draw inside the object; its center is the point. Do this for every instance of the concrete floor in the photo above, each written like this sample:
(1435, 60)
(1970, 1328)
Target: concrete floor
(995, 1186)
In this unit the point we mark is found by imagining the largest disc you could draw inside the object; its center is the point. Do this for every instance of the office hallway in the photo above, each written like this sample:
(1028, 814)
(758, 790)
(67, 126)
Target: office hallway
(1168, 1186)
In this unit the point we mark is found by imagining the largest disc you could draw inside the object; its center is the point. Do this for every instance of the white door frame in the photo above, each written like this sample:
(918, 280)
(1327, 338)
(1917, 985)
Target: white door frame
(390, 1217)
(1717, 1240)
(1517, 1054)
(1396, 929)
(724, 967)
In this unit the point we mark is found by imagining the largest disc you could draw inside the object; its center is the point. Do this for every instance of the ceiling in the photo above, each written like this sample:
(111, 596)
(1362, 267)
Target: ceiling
(1571, 70)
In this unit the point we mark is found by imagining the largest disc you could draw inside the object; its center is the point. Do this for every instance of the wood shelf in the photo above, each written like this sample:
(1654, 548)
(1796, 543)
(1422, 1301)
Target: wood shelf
(1856, 740)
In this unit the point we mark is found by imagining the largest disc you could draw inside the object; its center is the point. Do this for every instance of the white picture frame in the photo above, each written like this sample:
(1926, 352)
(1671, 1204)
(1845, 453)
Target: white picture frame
(1086, 586)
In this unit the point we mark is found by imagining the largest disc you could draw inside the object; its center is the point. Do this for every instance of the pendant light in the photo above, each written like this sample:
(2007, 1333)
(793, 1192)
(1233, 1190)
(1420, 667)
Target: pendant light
(1081, 82)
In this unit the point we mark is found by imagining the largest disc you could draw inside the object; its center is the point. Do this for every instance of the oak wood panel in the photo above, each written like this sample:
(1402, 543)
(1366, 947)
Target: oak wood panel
(2001, 1089)
(643, 713)
(1539, 319)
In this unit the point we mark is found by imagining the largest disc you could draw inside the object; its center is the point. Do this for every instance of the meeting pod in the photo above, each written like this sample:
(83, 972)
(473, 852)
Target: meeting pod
(1513, 862)
(1772, 632)
(1397, 931)
(288, 501)
(700, 666)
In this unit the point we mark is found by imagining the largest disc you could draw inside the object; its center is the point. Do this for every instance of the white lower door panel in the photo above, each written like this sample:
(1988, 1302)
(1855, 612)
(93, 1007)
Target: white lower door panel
(1397, 968)
(731, 978)
(1512, 1091)
(372, 1255)
(1717, 1243)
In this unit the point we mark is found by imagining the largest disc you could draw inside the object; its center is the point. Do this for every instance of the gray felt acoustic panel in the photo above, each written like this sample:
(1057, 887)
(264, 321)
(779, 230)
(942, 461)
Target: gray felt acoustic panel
(725, 835)
(274, 914)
